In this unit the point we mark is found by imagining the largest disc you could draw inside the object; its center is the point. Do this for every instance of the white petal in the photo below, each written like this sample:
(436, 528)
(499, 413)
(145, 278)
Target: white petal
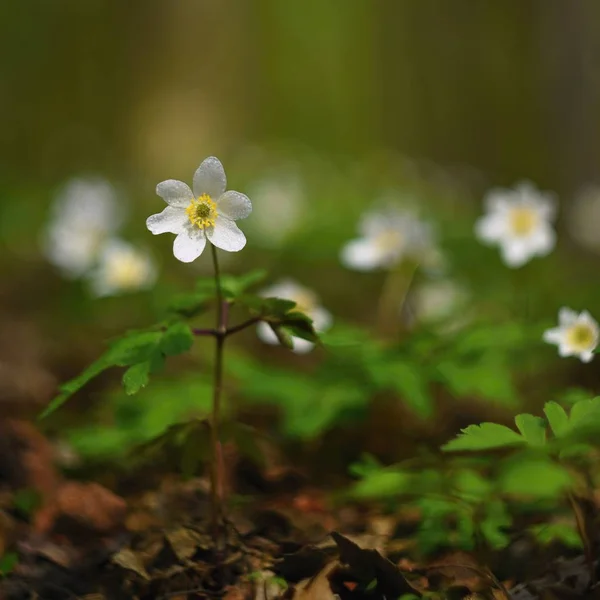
(322, 318)
(566, 317)
(175, 193)
(497, 200)
(209, 178)
(586, 317)
(491, 228)
(226, 235)
(586, 357)
(553, 336)
(515, 253)
(565, 349)
(543, 240)
(234, 205)
(301, 346)
(170, 220)
(187, 248)
(266, 334)
(361, 254)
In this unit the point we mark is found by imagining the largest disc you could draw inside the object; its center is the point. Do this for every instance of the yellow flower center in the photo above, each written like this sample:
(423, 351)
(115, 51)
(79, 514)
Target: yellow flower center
(389, 240)
(522, 220)
(305, 302)
(581, 337)
(202, 212)
(125, 272)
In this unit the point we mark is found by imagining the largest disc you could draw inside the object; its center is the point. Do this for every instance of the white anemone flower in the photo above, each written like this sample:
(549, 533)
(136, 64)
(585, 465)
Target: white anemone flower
(307, 303)
(85, 213)
(122, 268)
(386, 238)
(209, 212)
(435, 301)
(576, 334)
(518, 220)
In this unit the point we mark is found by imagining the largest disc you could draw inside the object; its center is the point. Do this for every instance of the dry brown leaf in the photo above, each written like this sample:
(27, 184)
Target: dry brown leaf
(130, 560)
(317, 587)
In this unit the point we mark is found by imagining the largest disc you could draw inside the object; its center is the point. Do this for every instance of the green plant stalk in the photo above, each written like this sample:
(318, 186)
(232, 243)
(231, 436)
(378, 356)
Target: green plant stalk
(216, 458)
(391, 300)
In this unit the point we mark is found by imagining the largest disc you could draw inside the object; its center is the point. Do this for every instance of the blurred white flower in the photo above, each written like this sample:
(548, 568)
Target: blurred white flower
(307, 303)
(122, 268)
(386, 238)
(576, 334)
(519, 221)
(584, 218)
(279, 201)
(435, 301)
(84, 214)
(208, 212)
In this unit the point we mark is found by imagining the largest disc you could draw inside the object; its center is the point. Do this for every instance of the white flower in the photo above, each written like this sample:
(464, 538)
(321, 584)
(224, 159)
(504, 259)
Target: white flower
(84, 214)
(122, 268)
(435, 301)
(386, 237)
(576, 334)
(307, 303)
(208, 212)
(519, 221)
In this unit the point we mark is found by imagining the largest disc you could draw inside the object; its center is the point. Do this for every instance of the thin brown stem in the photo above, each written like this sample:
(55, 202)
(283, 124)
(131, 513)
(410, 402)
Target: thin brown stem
(217, 463)
(242, 326)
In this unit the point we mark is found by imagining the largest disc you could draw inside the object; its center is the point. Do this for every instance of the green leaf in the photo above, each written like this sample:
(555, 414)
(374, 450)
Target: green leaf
(136, 377)
(8, 562)
(582, 410)
(565, 533)
(532, 428)
(284, 338)
(495, 524)
(234, 286)
(385, 483)
(471, 486)
(407, 379)
(489, 378)
(195, 449)
(192, 304)
(557, 417)
(144, 346)
(177, 339)
(533, 477)
(485, 436)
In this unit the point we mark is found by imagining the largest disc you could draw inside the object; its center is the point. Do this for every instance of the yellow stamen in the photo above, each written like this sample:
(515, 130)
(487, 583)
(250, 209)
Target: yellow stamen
(581, 337)
(523, 220)
(202, 212)
(389, 240)
(128, 271)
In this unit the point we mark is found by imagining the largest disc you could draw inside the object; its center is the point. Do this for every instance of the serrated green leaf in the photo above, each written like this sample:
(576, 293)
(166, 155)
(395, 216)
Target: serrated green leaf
(485, 436)
(583, 409)
(533, 477)
(557, 418)
(176, 339)
(532, 428)
(136, 377)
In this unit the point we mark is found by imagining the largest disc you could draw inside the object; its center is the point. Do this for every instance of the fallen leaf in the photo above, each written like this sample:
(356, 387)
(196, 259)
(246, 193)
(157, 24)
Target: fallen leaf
(128, 559)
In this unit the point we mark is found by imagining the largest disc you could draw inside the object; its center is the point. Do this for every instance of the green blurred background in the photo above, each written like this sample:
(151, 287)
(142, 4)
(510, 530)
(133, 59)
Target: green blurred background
(438, 100)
